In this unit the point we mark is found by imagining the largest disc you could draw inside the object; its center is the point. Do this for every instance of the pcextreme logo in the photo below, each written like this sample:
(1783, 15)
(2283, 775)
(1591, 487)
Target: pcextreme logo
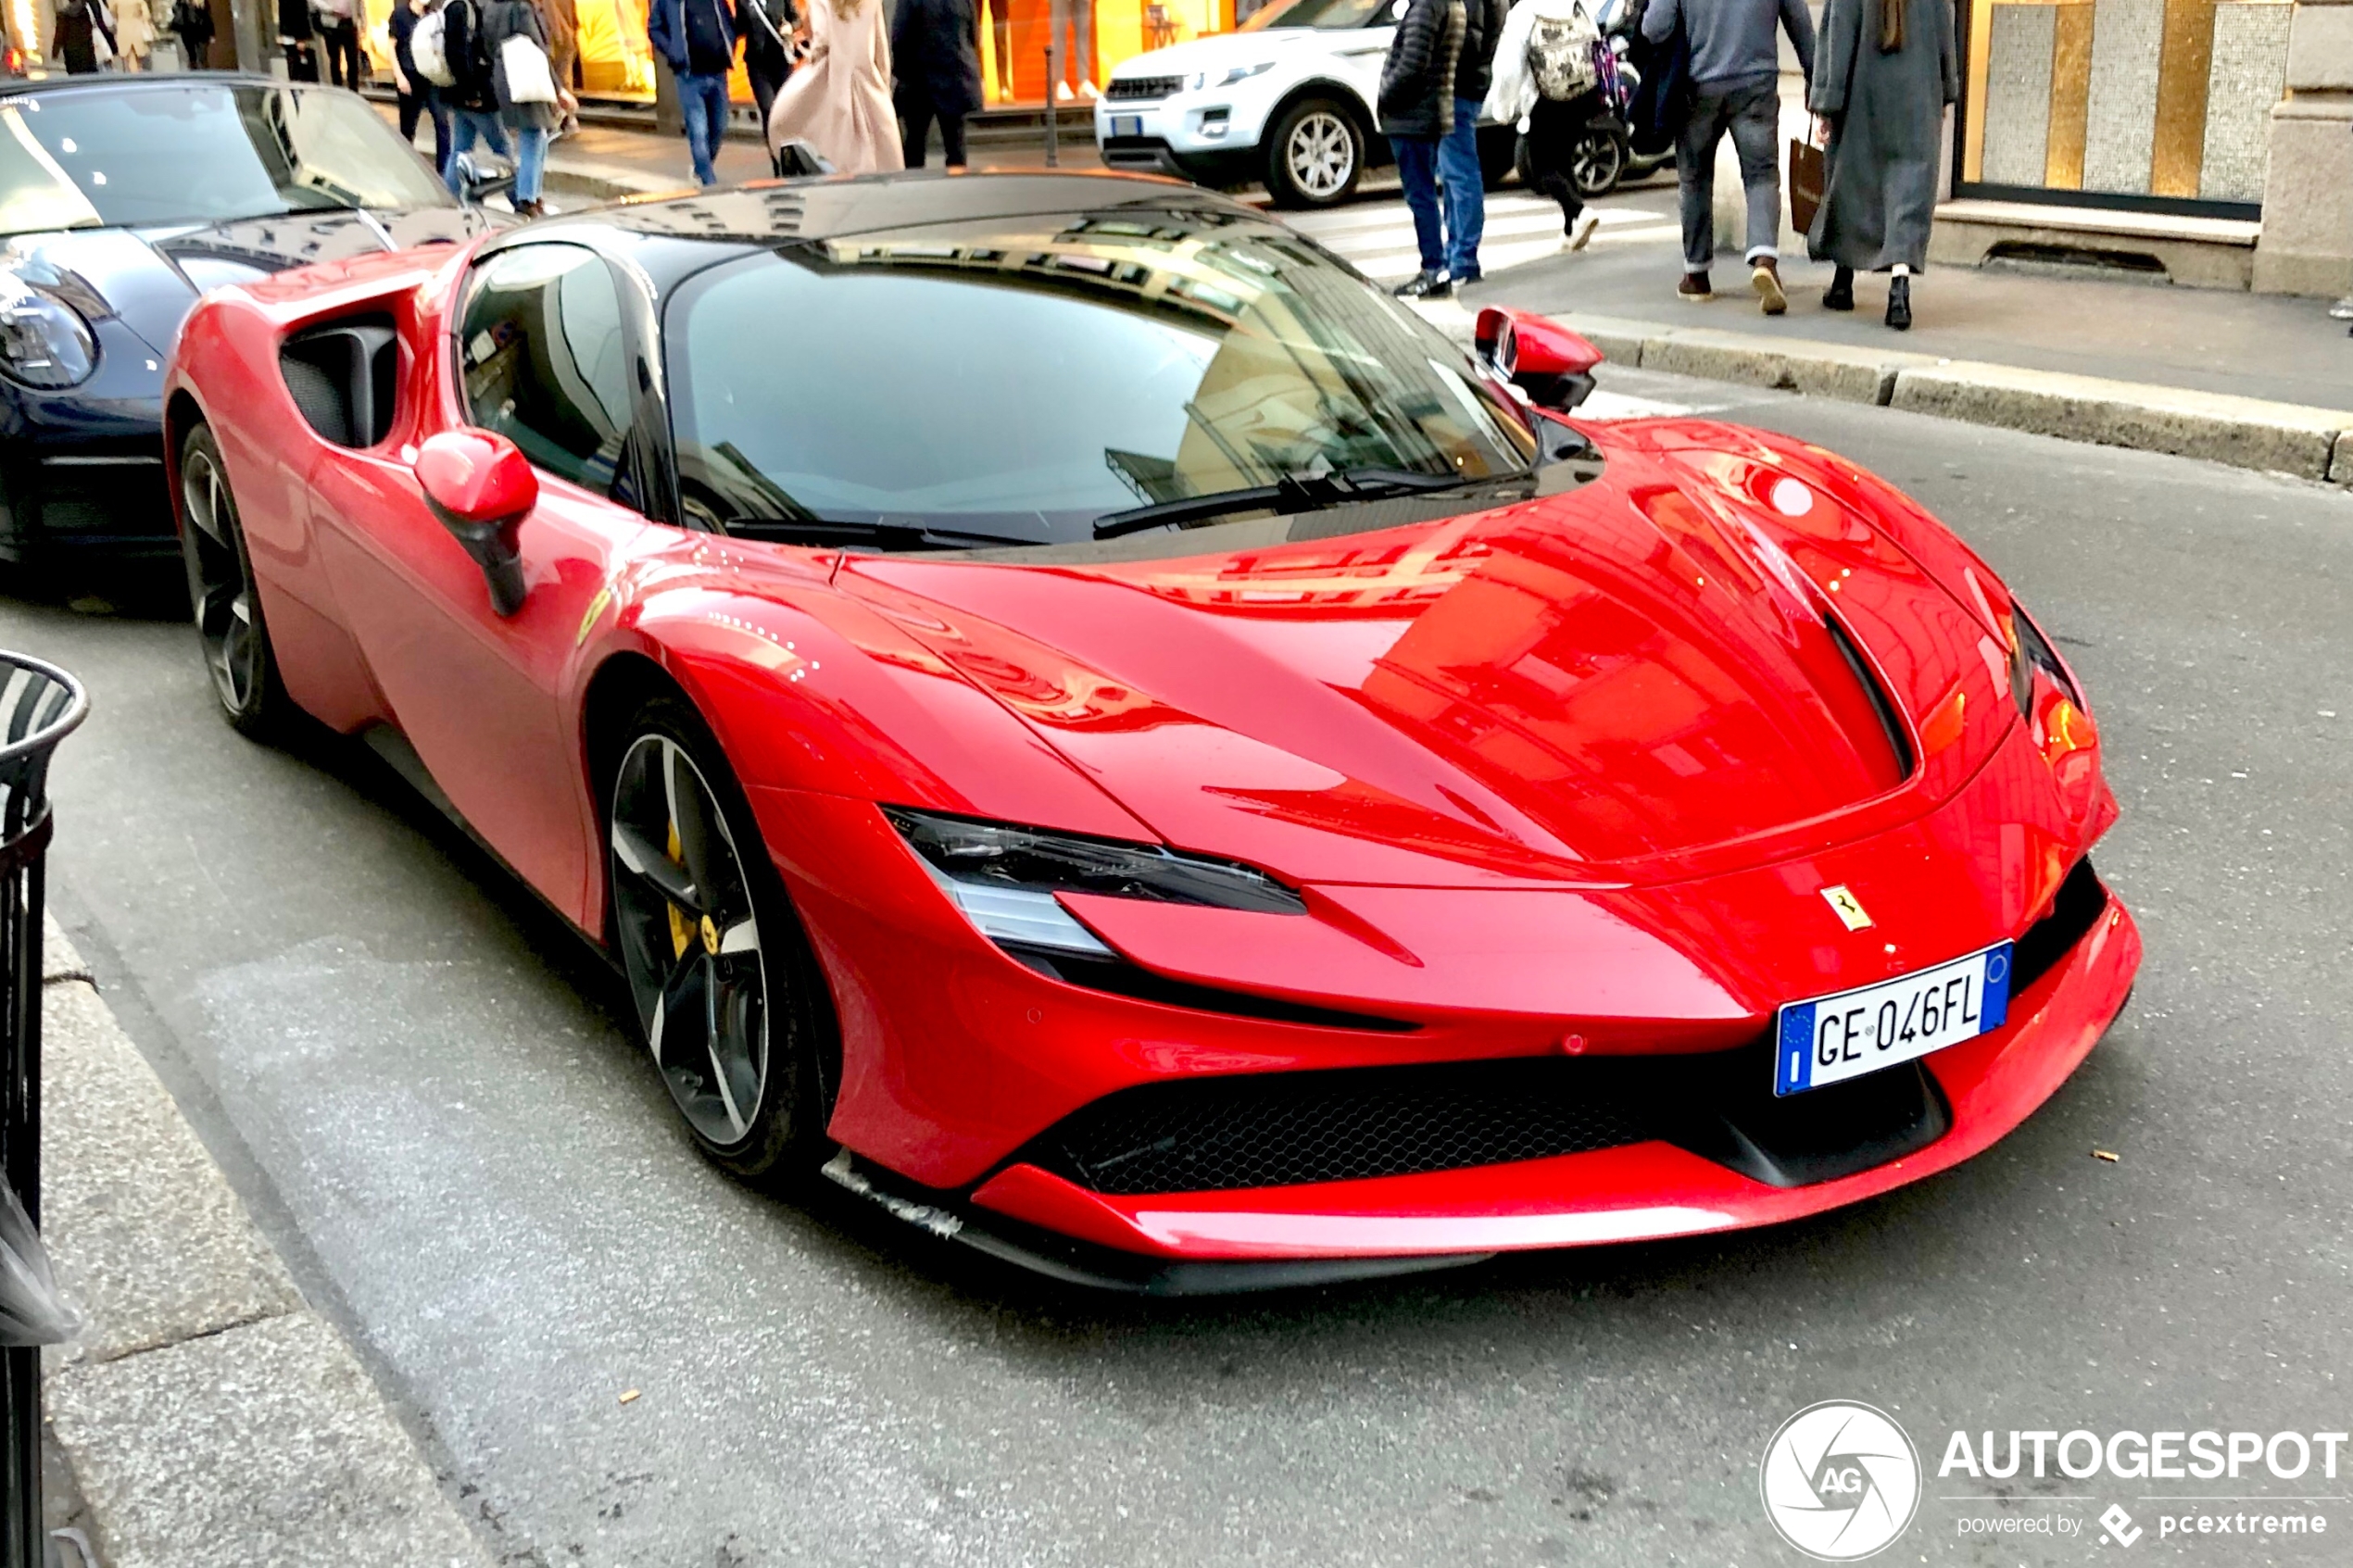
(1840, 1481)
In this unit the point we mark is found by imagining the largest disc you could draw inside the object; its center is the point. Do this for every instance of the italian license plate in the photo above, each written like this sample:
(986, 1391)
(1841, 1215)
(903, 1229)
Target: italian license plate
(1128, 125)
(1833, 1038)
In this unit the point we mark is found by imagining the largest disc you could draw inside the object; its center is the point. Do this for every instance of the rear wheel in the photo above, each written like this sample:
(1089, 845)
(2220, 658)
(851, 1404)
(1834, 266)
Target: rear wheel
(728, 994)
(1315, 155)
(220, 589)
(1599, 162)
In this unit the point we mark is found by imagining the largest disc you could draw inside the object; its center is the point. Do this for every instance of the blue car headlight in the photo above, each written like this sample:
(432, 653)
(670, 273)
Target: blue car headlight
(1004, 877)
(45, 343)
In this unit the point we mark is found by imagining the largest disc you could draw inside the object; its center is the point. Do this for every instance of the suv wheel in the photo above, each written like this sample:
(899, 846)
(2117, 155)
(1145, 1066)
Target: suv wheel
(1315, 155)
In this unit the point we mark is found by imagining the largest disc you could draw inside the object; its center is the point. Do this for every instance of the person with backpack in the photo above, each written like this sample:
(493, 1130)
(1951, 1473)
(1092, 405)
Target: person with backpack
(472, 92)
(699, 37)
(413, 90)
(1548, 81)
(1735, 86)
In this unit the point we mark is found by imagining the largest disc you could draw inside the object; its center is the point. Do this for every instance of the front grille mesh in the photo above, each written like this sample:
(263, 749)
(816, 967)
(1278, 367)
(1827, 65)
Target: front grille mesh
(1285, 1128)
(1141, 88)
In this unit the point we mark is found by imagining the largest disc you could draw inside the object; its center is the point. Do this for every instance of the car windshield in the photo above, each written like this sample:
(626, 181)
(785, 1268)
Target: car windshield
(138, 156)
(1326, 14)
(1019, 380)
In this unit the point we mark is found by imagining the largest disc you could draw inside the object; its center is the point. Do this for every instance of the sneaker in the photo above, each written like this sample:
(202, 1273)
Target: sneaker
(1899, 303)
(1086, 90)
(1465, 280)
(1425, 285)
(1580, 228)
(1765, 279)
(2343, 310)
(1694, 287)
(1063, 94)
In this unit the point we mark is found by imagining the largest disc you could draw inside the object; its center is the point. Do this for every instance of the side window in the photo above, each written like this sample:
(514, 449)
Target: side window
(545, 361)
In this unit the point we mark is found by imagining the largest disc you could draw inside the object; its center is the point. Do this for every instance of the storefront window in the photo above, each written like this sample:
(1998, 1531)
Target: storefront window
(2159, 104)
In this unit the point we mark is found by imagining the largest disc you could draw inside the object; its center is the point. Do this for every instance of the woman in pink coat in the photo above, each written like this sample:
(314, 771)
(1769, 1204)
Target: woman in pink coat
(839, 100)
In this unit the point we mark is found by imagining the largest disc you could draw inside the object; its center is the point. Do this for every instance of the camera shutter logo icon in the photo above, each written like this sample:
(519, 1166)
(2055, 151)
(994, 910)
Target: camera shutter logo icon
(1841, 1481)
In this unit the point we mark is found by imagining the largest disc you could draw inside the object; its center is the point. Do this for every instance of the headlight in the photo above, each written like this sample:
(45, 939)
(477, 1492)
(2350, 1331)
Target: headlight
(1243, 73)
(2030, 651)
(44, 342)
(1004, 878)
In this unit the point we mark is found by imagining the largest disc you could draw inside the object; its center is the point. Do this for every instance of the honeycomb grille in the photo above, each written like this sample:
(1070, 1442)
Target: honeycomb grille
(1282, 1129)
(1140, 89)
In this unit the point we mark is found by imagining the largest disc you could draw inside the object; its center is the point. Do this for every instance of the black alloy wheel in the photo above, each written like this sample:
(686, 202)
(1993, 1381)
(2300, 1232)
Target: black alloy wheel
(1598, 163)
(729, 997)
(220, 589)
(1315, 155)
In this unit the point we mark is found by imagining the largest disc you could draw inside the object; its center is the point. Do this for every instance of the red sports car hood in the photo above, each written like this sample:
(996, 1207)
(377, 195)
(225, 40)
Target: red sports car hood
(1678, 667)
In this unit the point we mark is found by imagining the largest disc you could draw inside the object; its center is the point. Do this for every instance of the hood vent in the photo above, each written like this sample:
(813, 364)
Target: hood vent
(1891, 726)
(345, 378)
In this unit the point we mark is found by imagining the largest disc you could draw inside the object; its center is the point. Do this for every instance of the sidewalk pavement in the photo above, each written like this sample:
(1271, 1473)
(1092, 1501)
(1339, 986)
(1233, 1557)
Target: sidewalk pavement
(209, 1417)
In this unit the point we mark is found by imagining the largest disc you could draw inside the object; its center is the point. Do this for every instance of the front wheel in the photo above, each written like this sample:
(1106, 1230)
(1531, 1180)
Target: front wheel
(728, 993)
(220, 588)
(1315, 155)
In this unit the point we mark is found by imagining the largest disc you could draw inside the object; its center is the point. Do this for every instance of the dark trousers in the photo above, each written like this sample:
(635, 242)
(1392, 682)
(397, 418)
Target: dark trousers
(342, 47)
(768, 78)
(302, 62)
(414, 106)
(915, 113)
(1555, 132)
(1753, 114)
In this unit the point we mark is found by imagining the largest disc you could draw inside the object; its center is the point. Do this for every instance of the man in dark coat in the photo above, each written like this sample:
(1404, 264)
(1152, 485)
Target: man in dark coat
(935, 47)
(1417, 114)
(1735, 86)
(1886, 71)
(697, 37)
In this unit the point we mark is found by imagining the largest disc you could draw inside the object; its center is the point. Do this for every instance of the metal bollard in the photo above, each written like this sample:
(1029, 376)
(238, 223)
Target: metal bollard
(40, 705)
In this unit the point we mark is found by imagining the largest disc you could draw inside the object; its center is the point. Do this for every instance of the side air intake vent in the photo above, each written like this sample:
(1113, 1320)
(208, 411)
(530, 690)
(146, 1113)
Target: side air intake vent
(1881, 707)
(345, 379)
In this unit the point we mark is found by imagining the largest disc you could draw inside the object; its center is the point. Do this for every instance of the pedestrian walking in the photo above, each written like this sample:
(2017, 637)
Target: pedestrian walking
(770, 30)
(1417, 115)
(936, 45)
(1884, 73)
(473, 96)
(1548, 82)
(134, 34)
(192, 22)
(417, 97)
(338, 41)
(697, 37)
(1735, 86)
(297, 39)
(528, 99)
(561, 19)
(839, 100)
(80, 38)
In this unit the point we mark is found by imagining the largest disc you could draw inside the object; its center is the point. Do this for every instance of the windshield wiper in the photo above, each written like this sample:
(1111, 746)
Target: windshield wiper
(1292, 493)
(882, 535)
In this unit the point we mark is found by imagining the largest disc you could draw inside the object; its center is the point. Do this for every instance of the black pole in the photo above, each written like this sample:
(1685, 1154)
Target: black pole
(1054, 51)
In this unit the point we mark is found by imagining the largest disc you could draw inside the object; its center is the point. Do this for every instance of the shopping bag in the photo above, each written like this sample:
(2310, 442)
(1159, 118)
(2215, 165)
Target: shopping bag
(528, 79)
(1808, 172)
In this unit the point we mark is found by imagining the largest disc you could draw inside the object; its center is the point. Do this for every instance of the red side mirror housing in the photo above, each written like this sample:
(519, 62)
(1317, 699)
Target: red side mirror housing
(481, 487)
(1538, 355)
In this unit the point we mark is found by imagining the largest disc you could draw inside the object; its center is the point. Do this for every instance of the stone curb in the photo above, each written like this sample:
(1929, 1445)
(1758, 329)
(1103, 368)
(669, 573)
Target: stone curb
(209, 1417)
(2243, 431)
(610, 181)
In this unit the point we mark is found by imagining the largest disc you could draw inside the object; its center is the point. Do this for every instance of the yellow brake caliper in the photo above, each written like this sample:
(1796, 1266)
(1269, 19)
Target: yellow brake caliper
(682, 929)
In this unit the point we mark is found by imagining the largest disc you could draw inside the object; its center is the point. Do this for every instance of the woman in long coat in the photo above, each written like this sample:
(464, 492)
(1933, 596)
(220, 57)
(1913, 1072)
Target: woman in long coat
(937, 46)
(1883, 72)
(531, 123)
(839, 100)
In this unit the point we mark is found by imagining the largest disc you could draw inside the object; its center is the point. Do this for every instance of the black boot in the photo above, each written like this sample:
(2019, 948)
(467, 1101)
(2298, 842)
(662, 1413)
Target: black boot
(1839, 296)
(1899, 302)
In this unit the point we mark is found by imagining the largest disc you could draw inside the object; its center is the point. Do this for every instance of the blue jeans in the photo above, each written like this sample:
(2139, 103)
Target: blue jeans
(467, 127)
(702, 102)
(531, 162)
(1446, 194)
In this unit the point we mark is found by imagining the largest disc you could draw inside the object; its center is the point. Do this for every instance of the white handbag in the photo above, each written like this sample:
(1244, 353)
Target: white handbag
(528, 79)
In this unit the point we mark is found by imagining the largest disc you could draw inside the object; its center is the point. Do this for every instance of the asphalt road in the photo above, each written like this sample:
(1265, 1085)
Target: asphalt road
(425, 1087)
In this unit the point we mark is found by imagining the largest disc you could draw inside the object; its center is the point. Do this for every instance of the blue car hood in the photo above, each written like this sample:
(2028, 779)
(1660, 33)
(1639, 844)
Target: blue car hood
(146, 279)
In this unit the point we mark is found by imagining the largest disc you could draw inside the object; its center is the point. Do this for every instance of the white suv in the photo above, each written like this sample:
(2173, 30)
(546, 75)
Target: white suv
(1287, 98)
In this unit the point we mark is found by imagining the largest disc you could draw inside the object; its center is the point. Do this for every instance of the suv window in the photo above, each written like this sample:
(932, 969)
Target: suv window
(1330, 16)
(545, 362)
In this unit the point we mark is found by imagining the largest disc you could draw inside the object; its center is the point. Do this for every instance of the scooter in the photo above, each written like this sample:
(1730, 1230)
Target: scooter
(1605, 157)
(1620, 22)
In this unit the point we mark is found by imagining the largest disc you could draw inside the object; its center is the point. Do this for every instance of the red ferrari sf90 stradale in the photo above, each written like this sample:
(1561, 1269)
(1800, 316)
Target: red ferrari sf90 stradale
(1093, 726)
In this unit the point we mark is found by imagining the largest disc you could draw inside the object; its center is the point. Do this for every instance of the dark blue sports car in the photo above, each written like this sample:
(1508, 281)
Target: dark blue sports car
(122, 199)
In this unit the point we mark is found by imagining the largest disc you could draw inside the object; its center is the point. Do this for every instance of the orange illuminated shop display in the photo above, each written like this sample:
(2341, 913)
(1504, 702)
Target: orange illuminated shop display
(616, 61)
